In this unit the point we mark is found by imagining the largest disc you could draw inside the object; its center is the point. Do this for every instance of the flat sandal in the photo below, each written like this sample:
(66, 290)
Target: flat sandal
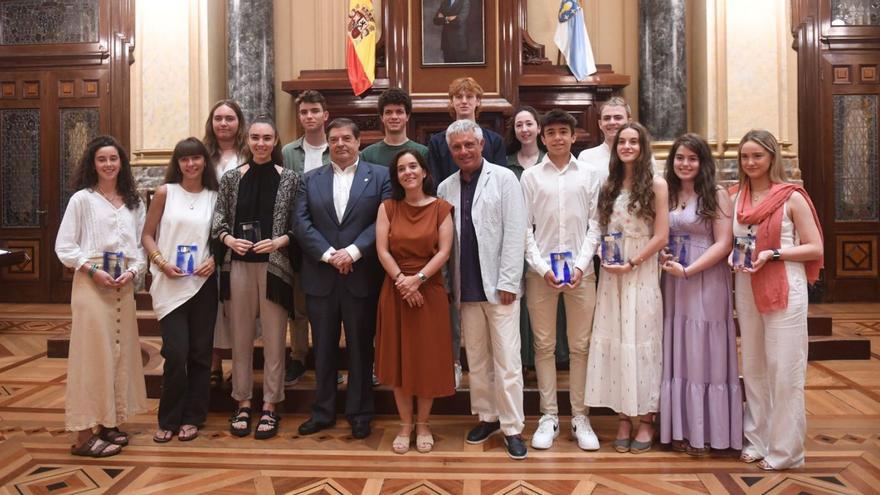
(424, 443)
(400, 445)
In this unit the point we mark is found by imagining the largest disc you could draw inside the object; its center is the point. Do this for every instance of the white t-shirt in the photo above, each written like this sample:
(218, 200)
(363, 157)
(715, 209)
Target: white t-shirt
(314, 156)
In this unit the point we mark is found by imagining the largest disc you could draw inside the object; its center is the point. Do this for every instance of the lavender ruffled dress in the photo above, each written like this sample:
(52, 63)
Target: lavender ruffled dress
(700, 396)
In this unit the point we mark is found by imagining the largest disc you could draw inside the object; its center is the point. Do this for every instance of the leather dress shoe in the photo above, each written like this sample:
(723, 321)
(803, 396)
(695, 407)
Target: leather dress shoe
(516, 446)
(360, 429)
(482, 431)
(314, 426)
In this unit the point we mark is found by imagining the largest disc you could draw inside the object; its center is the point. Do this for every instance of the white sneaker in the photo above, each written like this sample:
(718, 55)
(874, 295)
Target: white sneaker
(457, 371)
(548, 430)
(583, 432)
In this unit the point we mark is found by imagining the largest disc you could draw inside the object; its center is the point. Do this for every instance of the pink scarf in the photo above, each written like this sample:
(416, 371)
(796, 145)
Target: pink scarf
(770, 283)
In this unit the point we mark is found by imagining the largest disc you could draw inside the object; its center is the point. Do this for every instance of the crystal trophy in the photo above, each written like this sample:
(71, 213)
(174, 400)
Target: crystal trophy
(250, 231)
(678, 248)
(185, 261)
(114, 262)
(743, 251)
(562, 265)
(611, 248)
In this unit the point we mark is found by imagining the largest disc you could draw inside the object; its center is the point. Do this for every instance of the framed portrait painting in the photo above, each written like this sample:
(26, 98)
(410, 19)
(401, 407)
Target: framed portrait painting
(453, 32)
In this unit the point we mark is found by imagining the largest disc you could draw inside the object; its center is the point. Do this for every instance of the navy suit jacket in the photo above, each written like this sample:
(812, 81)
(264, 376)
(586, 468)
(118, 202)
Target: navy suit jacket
(316, 229)
(440, 158)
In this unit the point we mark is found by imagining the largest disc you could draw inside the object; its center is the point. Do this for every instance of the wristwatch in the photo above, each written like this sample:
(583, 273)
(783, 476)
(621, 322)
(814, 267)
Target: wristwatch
(422, 277)
(776, 255)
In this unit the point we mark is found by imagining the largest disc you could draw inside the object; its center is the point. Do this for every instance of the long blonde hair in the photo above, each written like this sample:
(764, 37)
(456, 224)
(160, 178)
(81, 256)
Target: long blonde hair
(766, 140)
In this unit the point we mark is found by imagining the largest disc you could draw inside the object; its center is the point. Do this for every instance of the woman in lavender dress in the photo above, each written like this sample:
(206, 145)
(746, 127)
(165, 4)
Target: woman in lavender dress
(700, 401)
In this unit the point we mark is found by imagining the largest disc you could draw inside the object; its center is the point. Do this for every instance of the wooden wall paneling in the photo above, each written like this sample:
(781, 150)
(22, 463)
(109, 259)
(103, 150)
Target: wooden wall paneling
(78, 82)
(837, 61)
(506, 80)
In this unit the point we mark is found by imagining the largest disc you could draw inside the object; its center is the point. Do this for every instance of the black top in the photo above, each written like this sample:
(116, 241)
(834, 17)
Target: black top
(471, 275)
(257, 192)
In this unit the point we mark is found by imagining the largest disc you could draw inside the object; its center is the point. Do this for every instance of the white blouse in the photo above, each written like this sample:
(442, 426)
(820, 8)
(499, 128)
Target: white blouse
(185, 221)
(92, 225)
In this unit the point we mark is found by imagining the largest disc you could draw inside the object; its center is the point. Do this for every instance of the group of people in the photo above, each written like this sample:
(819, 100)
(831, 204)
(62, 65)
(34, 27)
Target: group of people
(412, 250)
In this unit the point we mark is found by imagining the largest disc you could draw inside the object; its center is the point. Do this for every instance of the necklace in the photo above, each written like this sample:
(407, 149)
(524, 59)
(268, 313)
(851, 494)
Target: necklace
(108, 197)
(194, 196)
(757, 197)
(683, 202)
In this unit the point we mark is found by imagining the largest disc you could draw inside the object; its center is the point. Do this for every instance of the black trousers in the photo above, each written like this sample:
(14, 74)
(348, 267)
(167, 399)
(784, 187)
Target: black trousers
(358, 316)
(187, 342)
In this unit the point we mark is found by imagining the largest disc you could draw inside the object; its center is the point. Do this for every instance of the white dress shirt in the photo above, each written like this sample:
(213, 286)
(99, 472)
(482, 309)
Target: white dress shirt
(92, 225)
(597, 158)
(342, 181)
(562, 206)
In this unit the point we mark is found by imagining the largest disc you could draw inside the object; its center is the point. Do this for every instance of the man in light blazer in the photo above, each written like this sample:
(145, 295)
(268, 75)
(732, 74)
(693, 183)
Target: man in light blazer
(335, 225)
(487, 268)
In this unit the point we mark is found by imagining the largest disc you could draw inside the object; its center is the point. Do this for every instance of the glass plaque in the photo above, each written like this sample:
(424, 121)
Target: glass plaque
(114, 263)
(562, 265)
(611, 248)
(743, 251)
(250, 231)
(186, 254)
(678, 248)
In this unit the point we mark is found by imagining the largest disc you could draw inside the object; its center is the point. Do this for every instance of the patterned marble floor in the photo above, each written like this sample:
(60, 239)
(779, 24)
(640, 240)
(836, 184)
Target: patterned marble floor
(843, 404)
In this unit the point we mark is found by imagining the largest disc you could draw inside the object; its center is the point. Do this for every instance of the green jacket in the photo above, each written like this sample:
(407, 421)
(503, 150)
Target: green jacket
(295, 156)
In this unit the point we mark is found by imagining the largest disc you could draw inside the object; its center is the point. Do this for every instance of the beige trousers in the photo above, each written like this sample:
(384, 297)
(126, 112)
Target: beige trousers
(491, 337)
(247, 301)
(580, 303)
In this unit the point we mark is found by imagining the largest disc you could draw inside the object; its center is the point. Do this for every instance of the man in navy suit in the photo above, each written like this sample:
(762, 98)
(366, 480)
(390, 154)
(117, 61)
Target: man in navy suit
(453, 15)
(335, 225)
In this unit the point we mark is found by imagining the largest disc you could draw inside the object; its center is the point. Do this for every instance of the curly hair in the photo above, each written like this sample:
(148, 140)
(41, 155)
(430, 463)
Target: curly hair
(85, 176)
(641, 198)
(190, 147)
(704, 184)
(210, 139)
(395, 96)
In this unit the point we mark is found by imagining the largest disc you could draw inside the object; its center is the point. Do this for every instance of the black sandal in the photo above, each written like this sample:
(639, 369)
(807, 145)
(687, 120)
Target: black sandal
(96, 447)
(242, 415)
(270, 419)
(114, 436)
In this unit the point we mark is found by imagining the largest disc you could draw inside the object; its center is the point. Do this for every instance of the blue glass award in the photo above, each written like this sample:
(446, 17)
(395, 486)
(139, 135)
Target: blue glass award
(678, 248)
(114, 262)
(612, 249)
(185, 261)
(562, 265)
(743, 251)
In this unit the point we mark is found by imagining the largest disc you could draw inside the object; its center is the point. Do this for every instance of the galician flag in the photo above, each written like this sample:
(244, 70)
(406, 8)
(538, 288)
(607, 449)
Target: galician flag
(360, 49)
(572, 40)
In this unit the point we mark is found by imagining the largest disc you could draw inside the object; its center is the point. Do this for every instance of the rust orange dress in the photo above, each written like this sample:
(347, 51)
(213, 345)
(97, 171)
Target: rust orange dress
(414, 345)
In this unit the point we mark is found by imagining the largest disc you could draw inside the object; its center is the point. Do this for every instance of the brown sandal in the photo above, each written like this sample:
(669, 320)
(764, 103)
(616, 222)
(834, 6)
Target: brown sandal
(114, 436)
(187, 433)
(96, 447)
(163, 436)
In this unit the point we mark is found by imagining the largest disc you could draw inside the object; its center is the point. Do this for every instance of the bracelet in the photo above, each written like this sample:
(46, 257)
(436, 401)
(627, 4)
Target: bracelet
(223, 235)
(153, 255)
(93, 269)
(397, 276)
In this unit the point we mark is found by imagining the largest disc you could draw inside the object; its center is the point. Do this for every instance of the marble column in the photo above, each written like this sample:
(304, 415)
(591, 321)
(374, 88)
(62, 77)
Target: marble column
(250, 53)
(662, 68)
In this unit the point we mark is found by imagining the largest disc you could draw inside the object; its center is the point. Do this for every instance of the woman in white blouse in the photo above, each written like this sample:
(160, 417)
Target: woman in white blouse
(184, 290)
(100, 237)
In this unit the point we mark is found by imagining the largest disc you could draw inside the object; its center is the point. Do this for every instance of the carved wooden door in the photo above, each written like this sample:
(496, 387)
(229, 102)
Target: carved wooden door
(56, 91)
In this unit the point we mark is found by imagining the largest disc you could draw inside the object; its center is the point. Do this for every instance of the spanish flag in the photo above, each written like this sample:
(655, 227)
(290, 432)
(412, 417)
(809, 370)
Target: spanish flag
(360, 49)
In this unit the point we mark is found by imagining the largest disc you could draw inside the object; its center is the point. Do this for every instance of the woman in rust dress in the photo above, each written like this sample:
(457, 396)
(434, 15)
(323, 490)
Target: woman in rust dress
(413, 339)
